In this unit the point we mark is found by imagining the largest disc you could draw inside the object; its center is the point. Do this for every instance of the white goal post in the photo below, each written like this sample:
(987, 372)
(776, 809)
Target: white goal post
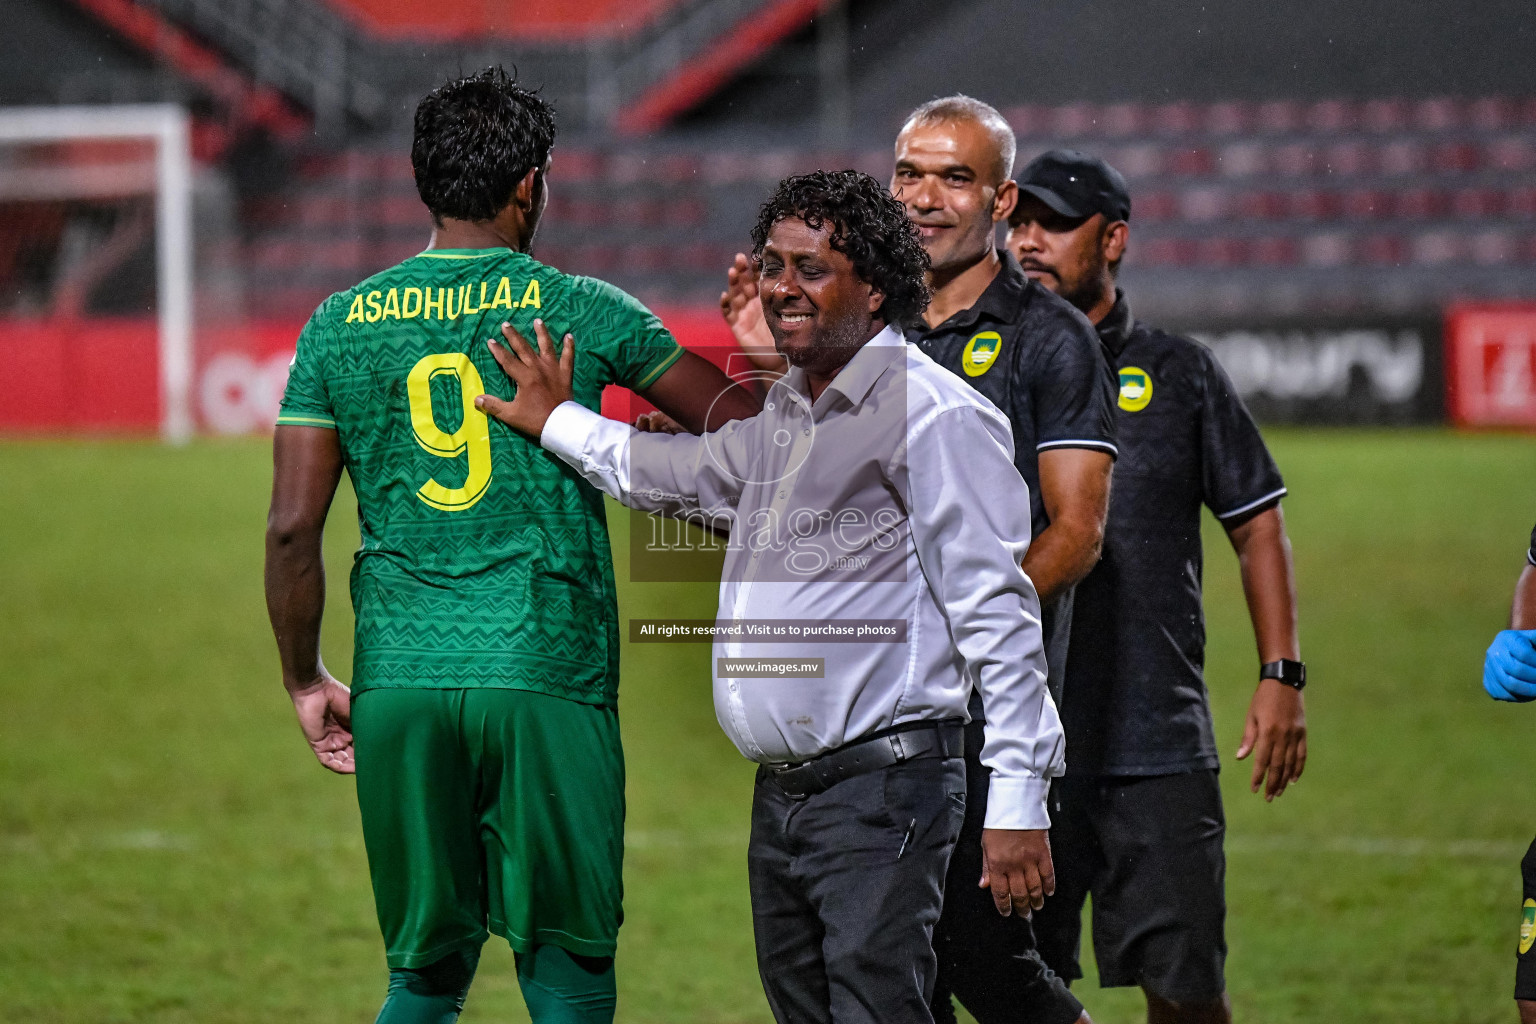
(167, 127)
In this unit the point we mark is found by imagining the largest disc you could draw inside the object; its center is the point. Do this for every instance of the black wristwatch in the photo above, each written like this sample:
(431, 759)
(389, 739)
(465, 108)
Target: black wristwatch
(1291, 673)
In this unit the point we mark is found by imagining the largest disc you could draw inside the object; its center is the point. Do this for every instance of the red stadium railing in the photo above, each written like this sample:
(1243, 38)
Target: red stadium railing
(526, 20)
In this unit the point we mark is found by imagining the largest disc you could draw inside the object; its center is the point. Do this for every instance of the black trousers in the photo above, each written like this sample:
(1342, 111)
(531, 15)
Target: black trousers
(846, 888)
(989, 962)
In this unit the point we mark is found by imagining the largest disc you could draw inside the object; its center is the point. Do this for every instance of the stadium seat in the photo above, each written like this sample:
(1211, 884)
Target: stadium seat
(1366, 204)
(1155, 206)
(1278, 117)
(1315, 204)
(1177, 119)
(1421, 204)
(1382, 249)
(1382, 116)
(1243, 160)
(1520, 202)
(1327, 249)
(1229, 118)
(1437, 247)
(1275, 251)
(1477, 203)
(1192, 161)
(1494, 248)
(1511, 153)
(1202, 204)
(576, 165)
(1121, 119)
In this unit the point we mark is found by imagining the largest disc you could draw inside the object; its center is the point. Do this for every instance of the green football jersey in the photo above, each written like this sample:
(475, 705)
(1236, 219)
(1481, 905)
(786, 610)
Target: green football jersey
(484, 558)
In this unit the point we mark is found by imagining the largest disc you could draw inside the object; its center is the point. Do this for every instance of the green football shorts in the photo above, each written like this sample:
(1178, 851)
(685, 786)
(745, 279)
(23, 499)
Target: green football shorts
(490, 809)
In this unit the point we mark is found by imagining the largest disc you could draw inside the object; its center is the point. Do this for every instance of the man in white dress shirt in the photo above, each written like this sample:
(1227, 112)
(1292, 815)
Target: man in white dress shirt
(875, 485)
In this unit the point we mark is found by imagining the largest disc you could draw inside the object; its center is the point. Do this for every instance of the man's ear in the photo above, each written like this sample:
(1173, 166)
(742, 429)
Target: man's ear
(1003, 202)
(876, 300)
(1115, 237)
(526, 195)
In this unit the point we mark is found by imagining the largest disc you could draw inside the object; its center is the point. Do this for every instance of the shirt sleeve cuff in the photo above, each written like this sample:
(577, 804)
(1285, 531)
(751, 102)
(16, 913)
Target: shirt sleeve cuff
(568, 430)
(1017, 803)
(305, 419)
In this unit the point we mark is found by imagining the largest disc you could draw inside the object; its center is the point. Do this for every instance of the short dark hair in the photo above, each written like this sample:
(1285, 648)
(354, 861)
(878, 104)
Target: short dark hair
(869, 226)
(961, 108)
(475, 139)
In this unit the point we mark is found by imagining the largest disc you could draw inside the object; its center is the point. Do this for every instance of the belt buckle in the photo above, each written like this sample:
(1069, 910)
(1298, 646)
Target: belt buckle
(778, 771)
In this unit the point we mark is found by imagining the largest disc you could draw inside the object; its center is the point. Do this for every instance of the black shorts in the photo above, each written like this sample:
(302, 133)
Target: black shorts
(1525, 952)
(1149, 851)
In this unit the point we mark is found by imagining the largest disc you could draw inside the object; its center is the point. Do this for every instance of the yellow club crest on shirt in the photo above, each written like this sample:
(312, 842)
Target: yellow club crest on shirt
(980, 353)
(1135, 388)
(1527, 926)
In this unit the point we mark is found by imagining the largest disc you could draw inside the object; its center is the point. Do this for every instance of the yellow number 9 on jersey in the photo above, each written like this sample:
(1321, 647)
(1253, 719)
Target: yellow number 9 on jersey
(473, 435)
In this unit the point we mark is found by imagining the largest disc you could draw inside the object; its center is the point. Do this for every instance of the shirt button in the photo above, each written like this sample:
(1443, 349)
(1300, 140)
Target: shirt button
(782, 495)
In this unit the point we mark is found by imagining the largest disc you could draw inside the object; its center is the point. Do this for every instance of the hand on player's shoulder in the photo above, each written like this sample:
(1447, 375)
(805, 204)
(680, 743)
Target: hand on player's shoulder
(543, 377)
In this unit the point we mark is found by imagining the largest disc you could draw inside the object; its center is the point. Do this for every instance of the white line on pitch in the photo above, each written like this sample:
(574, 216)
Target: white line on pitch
(1383, 846)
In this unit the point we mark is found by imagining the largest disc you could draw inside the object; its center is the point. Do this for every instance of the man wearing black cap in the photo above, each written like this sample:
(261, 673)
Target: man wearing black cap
(1137, 821)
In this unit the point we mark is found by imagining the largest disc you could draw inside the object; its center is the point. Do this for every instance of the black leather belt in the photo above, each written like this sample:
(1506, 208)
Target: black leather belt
(905, 742)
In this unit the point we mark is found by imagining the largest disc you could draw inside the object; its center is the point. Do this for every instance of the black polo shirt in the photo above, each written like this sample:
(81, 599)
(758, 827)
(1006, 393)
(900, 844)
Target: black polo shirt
(1039, 360)
(1135, 701)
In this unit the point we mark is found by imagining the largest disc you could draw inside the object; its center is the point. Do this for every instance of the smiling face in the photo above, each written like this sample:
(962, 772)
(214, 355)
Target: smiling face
(949, 175)
(1070, 256)
(818, 309)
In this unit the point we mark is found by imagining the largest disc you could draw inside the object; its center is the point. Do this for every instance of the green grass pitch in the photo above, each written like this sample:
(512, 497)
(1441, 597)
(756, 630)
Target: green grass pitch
(170, 852)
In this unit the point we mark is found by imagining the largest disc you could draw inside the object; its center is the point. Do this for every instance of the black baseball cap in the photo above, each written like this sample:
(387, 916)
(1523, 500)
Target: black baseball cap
(1076, 185)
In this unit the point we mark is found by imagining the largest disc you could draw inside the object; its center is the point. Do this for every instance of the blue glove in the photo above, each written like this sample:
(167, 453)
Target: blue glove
(1509, 671)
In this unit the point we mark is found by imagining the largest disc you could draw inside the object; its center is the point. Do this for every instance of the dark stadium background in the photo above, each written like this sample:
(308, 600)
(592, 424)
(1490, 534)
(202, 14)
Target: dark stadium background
(1340, 198)
(1316, 185)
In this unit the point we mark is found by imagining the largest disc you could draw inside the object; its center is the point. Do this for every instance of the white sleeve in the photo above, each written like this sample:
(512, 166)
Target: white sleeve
(969, 514)
(667, 473)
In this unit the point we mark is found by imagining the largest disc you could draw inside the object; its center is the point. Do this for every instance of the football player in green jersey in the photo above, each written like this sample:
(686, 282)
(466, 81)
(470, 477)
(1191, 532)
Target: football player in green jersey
(482, 723)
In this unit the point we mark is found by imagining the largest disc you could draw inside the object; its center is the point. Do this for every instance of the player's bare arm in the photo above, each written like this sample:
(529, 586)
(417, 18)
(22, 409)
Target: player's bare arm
(1509, 668)
(1275, 732)
(741, 306)
(1522, 613)
(1074, 484)
(699, 397)
(306, 467)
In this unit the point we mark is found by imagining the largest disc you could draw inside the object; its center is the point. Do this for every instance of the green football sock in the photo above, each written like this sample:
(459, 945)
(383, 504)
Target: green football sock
(431, 995)
(563, 988)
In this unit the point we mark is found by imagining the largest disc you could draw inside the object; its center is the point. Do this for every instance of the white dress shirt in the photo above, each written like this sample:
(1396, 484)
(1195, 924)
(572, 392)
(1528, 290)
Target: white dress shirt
(892, 496)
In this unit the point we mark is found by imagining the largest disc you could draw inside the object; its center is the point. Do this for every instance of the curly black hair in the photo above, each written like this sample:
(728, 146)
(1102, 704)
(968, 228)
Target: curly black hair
(475, 139)
(869, 226)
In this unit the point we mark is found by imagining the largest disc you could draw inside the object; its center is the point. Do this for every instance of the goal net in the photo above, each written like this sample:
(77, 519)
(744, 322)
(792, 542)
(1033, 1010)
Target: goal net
(96, 267)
